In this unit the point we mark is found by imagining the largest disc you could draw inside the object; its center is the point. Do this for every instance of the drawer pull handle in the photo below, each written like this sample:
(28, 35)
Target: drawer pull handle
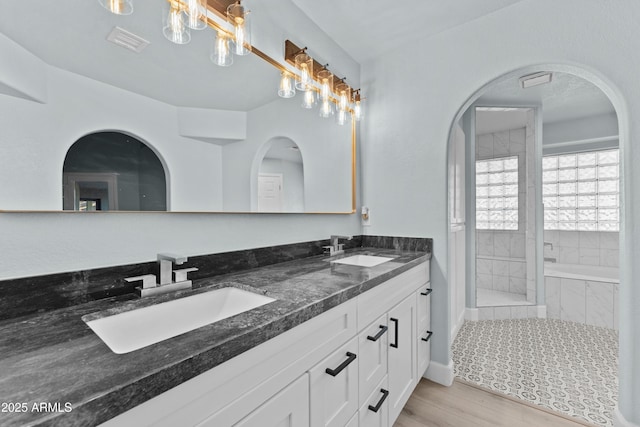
(429, 333)
(427, 292)
(376, 408)
(395, 321)
(382, 330)
(333, 372)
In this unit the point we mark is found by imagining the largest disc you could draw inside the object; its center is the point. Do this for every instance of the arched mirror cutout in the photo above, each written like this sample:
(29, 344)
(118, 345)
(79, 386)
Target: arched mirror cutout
(113, 171)
(280, 186)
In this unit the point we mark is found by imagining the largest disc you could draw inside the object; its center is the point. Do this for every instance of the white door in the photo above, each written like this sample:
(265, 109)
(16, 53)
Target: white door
(270, 194)
(402, 355)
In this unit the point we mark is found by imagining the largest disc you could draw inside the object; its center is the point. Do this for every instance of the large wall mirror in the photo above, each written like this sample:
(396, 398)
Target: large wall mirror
(87, 125)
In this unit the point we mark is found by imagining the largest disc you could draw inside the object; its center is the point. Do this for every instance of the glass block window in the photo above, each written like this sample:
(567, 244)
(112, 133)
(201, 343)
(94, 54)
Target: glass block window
(497, 194)
(581, 191)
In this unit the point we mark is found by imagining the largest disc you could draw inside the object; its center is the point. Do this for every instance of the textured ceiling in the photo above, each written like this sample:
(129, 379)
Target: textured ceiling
(567, 97)
(368, 28)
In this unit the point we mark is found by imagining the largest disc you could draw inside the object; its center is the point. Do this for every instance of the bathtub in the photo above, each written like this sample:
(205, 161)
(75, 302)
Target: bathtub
(582, 293)
(582, 272)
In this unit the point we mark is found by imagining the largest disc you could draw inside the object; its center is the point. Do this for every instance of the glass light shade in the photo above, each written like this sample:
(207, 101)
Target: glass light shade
(341, 117)
(174, 23)
(309, 100)
(119, 7)
(287, 88)
(342, 89)
(326, 84)
(221, 52)
(196, 11)
(239, 18)
(326, 109)
(304, 63)
(358, 113)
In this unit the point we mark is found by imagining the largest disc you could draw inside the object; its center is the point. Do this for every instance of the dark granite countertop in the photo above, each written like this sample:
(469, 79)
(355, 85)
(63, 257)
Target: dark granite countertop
(55, 358)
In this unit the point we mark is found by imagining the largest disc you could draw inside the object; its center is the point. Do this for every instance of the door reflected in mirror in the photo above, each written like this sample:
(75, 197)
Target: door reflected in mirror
(108, 171)
(281, 178)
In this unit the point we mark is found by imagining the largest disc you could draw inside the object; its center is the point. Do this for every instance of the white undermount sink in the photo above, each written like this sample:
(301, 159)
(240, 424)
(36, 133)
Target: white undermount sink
(363, 260)
(133, 330)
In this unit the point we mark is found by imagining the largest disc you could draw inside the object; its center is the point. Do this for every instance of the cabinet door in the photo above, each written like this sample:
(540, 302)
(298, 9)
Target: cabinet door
(402, 355)
(353, 422)
(372, 349)
(288, 408)
(334, 387)
(424, 328)
(375, 411)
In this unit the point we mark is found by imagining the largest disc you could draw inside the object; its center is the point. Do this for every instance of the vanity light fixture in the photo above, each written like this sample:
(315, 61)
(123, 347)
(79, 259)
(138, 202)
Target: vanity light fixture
(174, 25)
(326, 109)
(309, 100)
(325, 77)
(304, 63)
(344, 94)
(196, 12)
(221, 52)
(118, 7)
(287, 88)
(341, 117)
(238, 16)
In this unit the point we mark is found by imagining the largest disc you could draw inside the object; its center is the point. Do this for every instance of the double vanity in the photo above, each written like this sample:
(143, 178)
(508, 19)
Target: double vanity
(318, 340)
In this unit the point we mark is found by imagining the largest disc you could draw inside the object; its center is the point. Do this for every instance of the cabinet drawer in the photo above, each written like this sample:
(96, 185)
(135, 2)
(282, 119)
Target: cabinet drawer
(334, 387)
(424, 307)
(289, 408)
(372, 349)
(375, 410)
(353, 422)
(384, 296)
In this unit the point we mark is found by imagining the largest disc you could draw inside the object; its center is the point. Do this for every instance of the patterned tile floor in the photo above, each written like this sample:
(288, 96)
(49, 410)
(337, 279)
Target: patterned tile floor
(564, 366)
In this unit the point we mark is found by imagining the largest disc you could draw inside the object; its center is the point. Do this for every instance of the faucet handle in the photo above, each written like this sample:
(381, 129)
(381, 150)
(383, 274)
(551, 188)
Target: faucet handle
(181, 275)
(175, 258)
(148, 280)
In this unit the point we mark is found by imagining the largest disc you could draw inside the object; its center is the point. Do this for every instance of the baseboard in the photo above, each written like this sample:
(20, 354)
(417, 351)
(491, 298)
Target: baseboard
(439, 373)
(619, 420)
(542, 311)
(471, 314)
(458, 325)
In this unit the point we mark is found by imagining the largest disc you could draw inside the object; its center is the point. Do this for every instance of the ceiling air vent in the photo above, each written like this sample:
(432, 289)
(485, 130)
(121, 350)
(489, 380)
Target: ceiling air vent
(126, 39)
(535, 79)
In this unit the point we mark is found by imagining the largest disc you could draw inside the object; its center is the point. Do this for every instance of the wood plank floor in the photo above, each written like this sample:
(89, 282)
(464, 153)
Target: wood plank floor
(462, 405)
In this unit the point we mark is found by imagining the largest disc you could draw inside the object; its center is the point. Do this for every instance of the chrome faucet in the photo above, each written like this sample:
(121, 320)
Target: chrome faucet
(165, 262)
(336, 248)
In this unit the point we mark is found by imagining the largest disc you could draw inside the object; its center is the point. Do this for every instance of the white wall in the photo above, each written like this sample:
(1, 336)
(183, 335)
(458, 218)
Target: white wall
(415, 92)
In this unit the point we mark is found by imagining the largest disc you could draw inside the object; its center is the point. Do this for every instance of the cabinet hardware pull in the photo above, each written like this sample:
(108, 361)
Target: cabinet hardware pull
(333, 372)
(376, 408)
(427, 292)
(429, 333)
(395, 321)
(382, 330)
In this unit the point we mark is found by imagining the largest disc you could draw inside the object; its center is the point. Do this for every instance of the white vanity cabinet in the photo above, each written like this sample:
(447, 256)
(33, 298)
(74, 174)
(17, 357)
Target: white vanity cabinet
(332, 370)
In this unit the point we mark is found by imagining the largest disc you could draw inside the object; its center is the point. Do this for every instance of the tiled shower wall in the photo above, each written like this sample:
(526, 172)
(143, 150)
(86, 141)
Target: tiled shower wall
(501, 256)
(599, 248)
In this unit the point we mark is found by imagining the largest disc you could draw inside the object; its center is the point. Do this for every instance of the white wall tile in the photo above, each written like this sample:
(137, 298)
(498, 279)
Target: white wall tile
(517, 269)
(516, 141)
(500, 268)
(589, 239)
(517, 245)
(568, 255)
(609, 257)
(501, 243)
(518, 285)
(552, 297)
(484, 266)
(599, 304)
(484, 281)
(501, 313)
(484, 146)
(609, 240)
(501, 283)
(572, 300)
(552, 237)
(485, 313)
(589, 256)
(532, 311)
(501, 143)
(570, 239)
(484, 242)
